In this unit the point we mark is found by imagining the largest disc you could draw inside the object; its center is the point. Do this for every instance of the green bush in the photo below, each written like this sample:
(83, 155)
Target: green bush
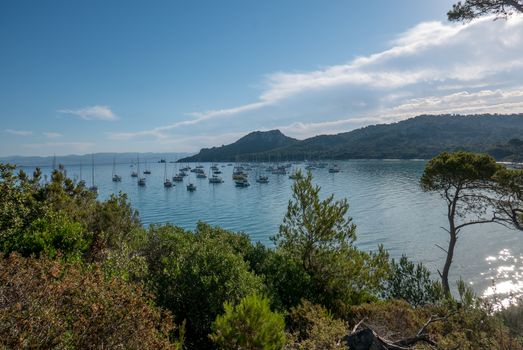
(53, 235)
(61, 217)
(412, 283)
(287, 283)
(313, 327)
(194, 274)
(250, 325)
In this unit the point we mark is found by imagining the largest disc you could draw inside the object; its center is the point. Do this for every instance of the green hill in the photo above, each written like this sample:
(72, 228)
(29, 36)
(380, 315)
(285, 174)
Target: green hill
(420, 137)
(255, 142)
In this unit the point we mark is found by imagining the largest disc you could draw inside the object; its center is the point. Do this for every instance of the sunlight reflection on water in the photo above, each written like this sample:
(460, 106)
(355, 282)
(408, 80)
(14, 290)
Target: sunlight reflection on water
(504, 274)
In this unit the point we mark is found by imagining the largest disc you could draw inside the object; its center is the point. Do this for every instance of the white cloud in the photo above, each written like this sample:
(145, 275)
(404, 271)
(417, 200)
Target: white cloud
(19, 132)
(160, 132)
(92, 113)
(52, 135)
(432, 68)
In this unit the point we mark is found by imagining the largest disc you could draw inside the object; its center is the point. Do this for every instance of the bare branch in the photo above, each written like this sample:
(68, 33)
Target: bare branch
(493, 220)
(357, 326)
(440, 247)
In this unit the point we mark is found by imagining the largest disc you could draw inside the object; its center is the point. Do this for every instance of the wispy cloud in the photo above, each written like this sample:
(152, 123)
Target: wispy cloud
(160, 132)
(434, 67)
(19, 132)
(92, 113)
(52, 135)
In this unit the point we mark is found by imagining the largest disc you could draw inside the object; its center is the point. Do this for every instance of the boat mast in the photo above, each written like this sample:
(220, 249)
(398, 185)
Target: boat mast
(92, 170)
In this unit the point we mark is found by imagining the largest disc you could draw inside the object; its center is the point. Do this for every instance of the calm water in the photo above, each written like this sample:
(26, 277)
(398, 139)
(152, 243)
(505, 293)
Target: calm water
(386, 204)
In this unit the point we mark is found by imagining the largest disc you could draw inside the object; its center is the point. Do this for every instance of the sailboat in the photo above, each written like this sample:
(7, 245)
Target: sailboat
(116, 178)
(166, 182)
(178, 177)
(214, 178)
(93, 187)
(261, 179)
(334, 169)
(243, 182)
(134, 173)
(141, 180)
(146, 171)
(81, 182)
(191, 187)
(200, 174)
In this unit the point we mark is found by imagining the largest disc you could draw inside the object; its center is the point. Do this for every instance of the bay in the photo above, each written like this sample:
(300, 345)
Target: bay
(386, 204)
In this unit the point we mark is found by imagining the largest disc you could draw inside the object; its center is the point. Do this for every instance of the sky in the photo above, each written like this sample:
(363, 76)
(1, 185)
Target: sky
(174, 76)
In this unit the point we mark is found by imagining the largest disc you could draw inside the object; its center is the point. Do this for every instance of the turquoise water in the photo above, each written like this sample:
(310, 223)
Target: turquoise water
(386, 204)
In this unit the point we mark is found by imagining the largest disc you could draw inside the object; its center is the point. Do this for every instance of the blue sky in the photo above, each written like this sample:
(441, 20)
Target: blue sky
(104, 76)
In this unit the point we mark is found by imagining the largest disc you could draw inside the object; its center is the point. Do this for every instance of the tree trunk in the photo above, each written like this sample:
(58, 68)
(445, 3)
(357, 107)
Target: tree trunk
(448, 261)
(453, 233)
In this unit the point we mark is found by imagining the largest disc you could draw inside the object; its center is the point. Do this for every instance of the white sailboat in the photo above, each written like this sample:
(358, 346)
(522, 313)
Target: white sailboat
(214, 178)
(116, 177)
(81, 182)
(190, 186)
(178, 177)
(141, 180)
(166, 181)
(93, 187)
(146, 171)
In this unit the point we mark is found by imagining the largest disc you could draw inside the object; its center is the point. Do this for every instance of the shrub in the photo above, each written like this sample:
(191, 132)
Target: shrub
(512, 317)
(412, 283)
(465, 326)
(287, 283)
(249, 325)
(39, 217)
(312, 327)
(49, 304)
(52, 235)
(194, 274)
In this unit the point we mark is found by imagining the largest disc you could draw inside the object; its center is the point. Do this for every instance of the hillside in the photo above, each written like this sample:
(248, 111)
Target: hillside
(255, 142)
(420, 137)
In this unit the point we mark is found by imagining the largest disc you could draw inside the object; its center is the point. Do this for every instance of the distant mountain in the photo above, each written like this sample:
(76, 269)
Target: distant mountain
(253, 143)
(99, 158)
(421, 137)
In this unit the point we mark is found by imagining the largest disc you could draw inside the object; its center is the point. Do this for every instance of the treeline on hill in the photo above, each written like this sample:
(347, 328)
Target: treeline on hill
(422, 137)
(80, 273)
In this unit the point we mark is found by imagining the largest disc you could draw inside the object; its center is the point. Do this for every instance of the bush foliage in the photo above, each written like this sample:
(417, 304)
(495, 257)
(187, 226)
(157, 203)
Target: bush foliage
(313, 327)
(194, 274)
(413, 283)
(48, 304)
(249, 325)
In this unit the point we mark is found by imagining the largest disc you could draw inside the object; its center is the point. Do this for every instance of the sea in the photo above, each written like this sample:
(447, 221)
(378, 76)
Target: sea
(386, 204)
